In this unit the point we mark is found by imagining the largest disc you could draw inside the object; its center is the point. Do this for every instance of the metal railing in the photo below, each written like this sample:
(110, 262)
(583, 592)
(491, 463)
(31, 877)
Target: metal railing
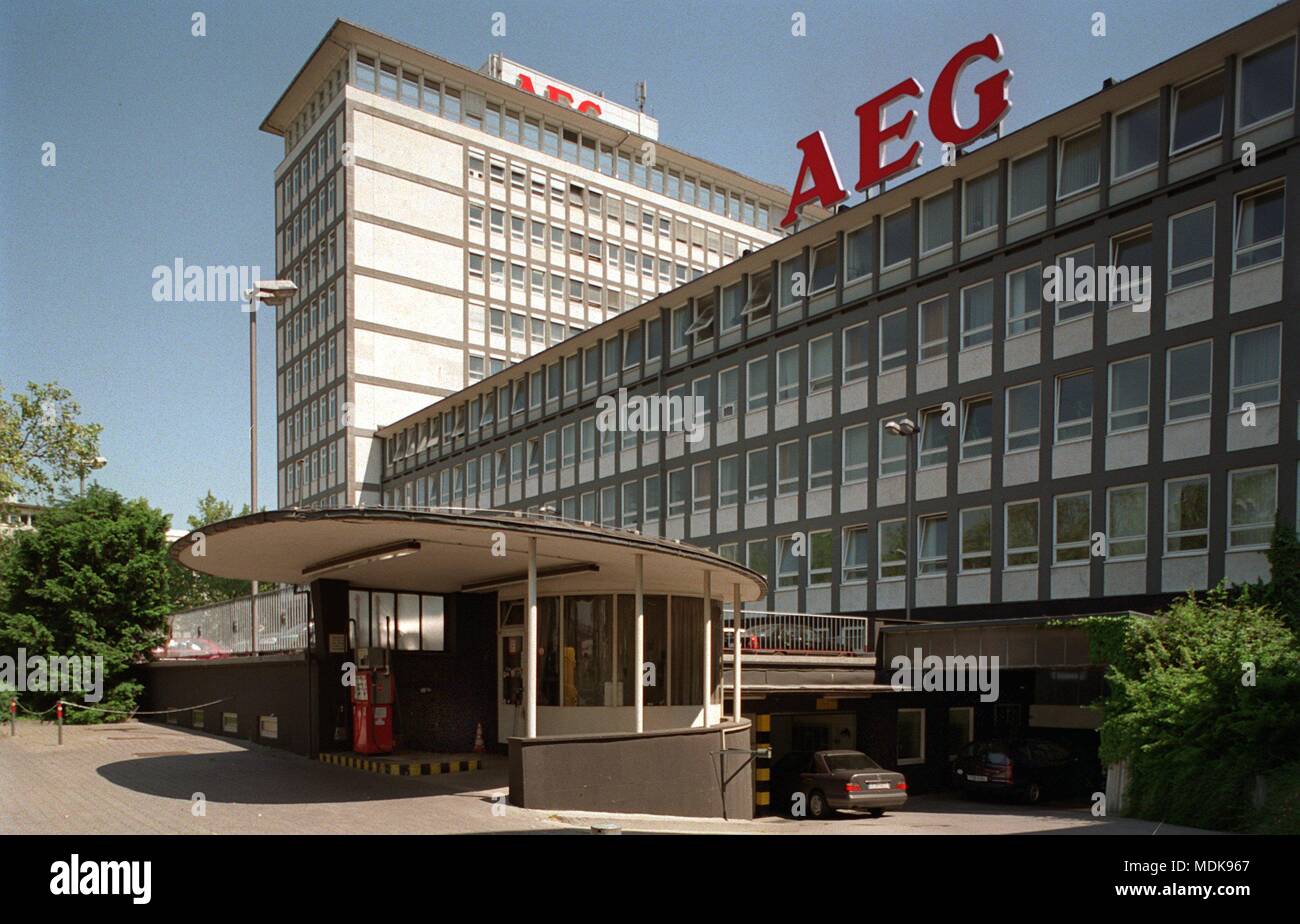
(224, 629)
(801, 633)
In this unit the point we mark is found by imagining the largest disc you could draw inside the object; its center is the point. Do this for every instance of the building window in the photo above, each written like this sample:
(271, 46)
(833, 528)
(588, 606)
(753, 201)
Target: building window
(976, 540)
(1074, 407)
(652, 498)
(859, 254)
(733, 304)
(756, 384)
(1126, 522)
(893, 452)
(856, 454)
(787, 563)
(1261, 220)
(825, 268)
(1197, 113)
(821, 558)
(976, 427)
(787, 468)
(1135, 140)
(1266, 84)
(821, 461)
(677, 492)
(1132, 253)
(1024, 299)
(857, 360)
(911, 736)
(787, 375)
(1028, 185)
(1187, 515)
(1023, 419)
(932, 545)
(1191, 247)
(759, 303)
(1187, 391)
(1079, 163)
(1130, 390)
(821, 362)
(933, 334)
(936, 223)
(976, 314)
(980, 205)
(757, 475)
(893, 341)
(1252, 507)
(758, 557)
(788, 269)
(857, 563)
(1022, 534)
(728, 392)
(702, 487)
(892, 553)
(934, 439)
(1068, 305)
(896, 244)
(1073, 528)
(1256, 366)
(728, 481)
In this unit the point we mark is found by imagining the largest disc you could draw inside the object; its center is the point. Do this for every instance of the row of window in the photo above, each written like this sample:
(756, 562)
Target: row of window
(329, 88)
(1255, 364)
(428, 93)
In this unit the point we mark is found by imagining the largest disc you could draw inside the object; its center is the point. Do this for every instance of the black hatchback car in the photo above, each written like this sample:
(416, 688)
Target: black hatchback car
(833, 780)
(1028, 768)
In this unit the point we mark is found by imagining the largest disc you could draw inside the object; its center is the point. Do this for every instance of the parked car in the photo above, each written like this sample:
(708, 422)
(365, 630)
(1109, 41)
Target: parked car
(834, 780)
(1028, 768)
(200, 649)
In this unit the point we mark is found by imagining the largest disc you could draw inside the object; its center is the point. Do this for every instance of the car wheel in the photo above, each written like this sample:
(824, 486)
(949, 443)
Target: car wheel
(876, 813)
(817, 807)
(1033, 792)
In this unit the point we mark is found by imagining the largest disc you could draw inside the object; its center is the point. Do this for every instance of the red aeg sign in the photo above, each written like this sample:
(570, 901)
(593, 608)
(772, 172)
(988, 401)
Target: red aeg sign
(558, 95)
(874, 134)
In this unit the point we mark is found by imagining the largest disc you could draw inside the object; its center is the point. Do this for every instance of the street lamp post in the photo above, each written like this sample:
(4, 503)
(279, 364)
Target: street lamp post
(88, 465)
(273, 292)
(907, 429)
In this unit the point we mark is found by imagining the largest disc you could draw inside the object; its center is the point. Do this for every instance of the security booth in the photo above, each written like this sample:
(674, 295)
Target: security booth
(591, 656)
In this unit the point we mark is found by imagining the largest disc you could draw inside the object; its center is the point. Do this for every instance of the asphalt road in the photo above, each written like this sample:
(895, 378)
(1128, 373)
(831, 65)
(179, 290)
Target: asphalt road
(137, 778)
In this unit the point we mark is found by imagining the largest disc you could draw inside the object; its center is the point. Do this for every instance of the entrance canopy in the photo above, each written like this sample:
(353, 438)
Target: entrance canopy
(445, 551)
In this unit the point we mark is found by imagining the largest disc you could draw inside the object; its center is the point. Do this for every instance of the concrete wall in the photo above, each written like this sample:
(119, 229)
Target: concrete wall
(676, 772)
(271, 685)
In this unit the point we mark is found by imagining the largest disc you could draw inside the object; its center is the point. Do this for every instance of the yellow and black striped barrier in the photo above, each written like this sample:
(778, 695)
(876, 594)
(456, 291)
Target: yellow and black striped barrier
(763, 762)
(398, 767)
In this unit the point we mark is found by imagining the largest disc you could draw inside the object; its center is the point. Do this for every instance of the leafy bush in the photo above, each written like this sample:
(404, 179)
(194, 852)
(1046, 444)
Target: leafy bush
(1200, 700)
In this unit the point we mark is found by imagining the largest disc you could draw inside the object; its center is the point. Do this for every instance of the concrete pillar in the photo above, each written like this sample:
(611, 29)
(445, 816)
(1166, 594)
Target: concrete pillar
(736, 621)
(530, 645)
(708, 644)
(638, 653)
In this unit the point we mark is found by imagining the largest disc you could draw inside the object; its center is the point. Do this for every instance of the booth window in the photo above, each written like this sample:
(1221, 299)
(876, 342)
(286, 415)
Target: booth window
(406, 622)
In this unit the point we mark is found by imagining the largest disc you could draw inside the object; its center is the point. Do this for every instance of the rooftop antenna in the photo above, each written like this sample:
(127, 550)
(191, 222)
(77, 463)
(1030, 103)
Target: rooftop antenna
(641, 91)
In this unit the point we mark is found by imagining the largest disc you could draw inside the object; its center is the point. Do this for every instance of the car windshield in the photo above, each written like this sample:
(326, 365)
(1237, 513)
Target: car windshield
(850, 760)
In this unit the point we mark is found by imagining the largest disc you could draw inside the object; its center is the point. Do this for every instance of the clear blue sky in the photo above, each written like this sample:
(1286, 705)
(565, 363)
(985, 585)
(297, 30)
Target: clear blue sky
(159, 157)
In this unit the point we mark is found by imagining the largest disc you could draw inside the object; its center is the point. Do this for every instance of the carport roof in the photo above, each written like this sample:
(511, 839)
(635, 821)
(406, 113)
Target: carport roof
(447, 551)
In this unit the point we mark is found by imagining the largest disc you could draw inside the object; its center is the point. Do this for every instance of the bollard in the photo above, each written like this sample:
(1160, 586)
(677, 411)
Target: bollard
(58, 712)
(13, 717)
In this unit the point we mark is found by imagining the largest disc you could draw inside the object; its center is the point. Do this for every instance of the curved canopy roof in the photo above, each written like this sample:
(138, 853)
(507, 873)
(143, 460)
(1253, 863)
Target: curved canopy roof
(447, 551)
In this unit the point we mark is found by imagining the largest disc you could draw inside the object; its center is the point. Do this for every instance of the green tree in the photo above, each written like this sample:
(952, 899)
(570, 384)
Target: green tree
(90, 580)
(1200, 699)
(42, 444)
(190, 589)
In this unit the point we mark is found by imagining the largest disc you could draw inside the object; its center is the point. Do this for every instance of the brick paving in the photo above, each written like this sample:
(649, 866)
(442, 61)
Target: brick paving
(137, 778)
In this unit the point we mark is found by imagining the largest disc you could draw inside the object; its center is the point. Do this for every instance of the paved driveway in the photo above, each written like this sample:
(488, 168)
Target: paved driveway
(137, 778)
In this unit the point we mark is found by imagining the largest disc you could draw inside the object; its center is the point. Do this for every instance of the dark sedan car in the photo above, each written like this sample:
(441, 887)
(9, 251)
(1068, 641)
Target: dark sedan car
(1030, 769)
(833, 780)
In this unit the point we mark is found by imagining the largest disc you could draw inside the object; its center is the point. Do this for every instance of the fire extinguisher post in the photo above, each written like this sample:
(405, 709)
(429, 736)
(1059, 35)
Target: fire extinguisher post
(58, 712)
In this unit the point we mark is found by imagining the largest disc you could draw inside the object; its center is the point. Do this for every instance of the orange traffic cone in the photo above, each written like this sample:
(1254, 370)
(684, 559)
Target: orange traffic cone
(479, 747)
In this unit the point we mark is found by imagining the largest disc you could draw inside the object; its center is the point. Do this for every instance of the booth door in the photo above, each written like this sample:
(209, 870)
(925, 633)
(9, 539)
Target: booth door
(510, 690)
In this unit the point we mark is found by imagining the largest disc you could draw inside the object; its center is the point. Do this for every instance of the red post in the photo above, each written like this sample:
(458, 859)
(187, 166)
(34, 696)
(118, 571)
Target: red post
(13, 717)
